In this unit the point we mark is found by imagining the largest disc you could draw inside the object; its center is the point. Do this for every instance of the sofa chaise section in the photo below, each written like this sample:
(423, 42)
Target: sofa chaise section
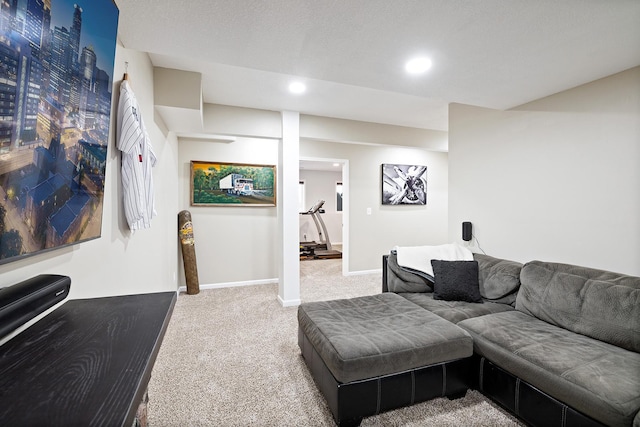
(574, 338)
(592, 376)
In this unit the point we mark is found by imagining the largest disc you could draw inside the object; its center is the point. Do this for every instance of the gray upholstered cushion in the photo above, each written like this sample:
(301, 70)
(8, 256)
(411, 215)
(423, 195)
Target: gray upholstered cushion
(455, 311)
(599, 379)
(402, 279)
(366, 337)
(499, 278)
(596, 303)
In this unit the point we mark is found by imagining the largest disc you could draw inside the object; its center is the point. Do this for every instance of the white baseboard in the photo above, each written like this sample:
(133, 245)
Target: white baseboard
(232, 284)
(361, 272)
(289, 303)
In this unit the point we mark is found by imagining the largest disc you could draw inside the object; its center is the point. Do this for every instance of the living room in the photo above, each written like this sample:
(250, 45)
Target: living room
(562, 184)
(553, 178)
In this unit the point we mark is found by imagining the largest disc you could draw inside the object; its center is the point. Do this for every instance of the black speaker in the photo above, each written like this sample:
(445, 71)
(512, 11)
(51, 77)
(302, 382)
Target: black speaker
(23, 301)
(466, 231)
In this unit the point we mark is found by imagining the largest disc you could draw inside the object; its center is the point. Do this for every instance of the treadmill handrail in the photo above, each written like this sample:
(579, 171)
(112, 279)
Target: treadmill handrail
(316, 207)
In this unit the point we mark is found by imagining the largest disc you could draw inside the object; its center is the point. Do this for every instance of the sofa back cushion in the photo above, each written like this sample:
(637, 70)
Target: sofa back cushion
(596, 303)
(499, 279)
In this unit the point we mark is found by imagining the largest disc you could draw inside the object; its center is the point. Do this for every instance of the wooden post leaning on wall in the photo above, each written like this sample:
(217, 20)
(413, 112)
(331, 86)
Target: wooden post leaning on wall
(187, 241)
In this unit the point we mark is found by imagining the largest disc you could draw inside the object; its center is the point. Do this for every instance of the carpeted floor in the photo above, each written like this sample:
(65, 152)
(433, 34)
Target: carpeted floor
(230, 358)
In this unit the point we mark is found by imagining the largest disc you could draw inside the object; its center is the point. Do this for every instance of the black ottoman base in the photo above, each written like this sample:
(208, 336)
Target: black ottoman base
(352, 401)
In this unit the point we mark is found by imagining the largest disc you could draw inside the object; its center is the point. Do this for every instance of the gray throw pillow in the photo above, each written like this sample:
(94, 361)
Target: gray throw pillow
(456, 281)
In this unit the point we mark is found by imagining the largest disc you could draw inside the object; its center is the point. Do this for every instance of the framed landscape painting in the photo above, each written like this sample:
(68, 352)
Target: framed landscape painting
(56, 84)
(404, 184)
(232, 184)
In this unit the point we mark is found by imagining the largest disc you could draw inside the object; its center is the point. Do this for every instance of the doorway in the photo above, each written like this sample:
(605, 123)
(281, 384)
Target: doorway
(323, 179)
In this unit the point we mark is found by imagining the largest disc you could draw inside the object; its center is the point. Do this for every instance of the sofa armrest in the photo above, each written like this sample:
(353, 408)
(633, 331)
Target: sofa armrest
(385, 287)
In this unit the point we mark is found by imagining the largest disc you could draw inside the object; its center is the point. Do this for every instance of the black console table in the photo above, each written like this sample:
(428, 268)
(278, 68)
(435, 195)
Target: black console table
(87, 363)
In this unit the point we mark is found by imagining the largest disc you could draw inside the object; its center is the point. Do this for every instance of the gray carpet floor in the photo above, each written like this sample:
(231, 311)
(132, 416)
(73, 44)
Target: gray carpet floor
(230, 357)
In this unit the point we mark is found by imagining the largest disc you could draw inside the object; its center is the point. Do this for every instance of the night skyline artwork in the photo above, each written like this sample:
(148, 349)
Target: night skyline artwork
(56, 82)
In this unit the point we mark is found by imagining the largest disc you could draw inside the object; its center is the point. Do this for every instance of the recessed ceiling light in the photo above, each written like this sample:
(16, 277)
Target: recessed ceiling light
(418, 65)
(297, 87)
(335, 165)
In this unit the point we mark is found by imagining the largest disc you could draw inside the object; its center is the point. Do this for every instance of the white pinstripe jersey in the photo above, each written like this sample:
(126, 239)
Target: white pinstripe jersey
(137, 160)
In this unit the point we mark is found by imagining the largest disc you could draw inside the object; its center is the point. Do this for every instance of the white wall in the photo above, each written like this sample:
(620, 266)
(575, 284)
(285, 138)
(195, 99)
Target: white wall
(233, 244)
(118, 262)
(321, 185)
(355, 132)
(371, 236)
(556, 179)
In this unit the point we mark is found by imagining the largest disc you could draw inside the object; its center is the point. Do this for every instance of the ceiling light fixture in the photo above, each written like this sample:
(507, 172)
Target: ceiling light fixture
(297, 87)
(418, 65)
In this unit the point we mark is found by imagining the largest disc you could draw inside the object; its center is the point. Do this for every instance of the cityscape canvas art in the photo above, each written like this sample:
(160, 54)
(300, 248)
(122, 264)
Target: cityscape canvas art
(56, 83)
(404, 184)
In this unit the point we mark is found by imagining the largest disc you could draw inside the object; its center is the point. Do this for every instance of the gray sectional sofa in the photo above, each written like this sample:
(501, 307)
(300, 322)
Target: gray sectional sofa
(555, 344)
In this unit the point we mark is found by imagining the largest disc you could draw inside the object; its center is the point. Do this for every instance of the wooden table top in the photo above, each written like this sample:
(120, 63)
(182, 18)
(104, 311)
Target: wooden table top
(87, 363)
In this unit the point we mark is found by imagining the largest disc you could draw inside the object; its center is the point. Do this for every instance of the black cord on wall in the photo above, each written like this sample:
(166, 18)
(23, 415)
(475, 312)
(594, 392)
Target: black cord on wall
(478, 243)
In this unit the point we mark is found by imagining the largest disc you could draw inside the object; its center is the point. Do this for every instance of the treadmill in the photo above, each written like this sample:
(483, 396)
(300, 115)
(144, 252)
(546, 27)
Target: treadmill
(323, 248)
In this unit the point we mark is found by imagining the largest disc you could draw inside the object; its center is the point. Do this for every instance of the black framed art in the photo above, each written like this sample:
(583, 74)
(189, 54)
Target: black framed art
(404, 184)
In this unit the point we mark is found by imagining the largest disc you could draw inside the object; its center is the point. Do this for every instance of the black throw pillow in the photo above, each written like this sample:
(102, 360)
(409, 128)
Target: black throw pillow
(456, 281)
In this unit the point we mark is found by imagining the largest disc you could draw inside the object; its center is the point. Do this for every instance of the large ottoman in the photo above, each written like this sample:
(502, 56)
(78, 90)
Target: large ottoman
(371, 354)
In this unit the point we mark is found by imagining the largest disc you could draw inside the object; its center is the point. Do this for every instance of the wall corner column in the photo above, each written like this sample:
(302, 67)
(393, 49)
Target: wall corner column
(288, 215)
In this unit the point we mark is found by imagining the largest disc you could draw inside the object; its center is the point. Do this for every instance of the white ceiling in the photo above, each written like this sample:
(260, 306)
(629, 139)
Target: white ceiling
(351, 53)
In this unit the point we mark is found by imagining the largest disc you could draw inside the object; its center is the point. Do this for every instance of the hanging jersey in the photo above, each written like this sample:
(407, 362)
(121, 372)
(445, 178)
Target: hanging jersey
(137, 160)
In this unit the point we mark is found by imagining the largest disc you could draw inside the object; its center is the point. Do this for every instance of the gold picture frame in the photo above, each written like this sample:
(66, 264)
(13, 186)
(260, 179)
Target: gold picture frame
(232, 184)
